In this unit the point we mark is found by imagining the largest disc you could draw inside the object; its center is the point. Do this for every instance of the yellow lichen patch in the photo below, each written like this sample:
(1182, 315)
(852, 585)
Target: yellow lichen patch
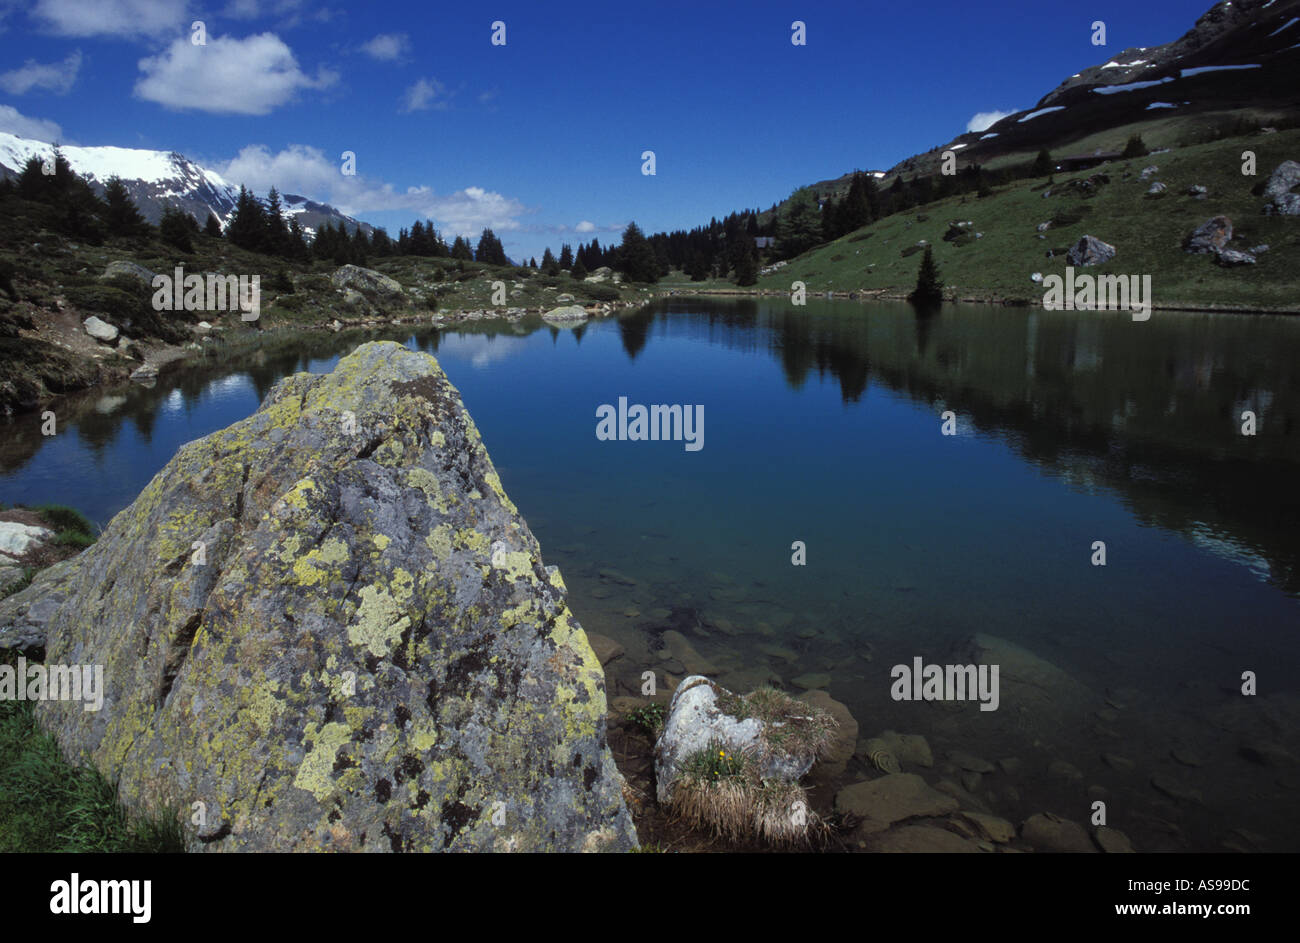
(556, 580)
(380, 622)
(473, 539)
(402, 585)
(314, 773)
(297, 495)
(382, 541)
(423, 737)
(516, 614)
(426, 481)
(321, 563)
(518, 564)
(440, 542)
(264, 706)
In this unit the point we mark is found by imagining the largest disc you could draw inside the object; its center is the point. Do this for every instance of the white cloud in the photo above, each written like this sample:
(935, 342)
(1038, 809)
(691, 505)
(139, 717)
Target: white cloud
(388, 47)
(306, 170)
(585, 226)
(57, 77)
(983, 120)
(424, 94)
(38, 129)
(112, 17)
(251, 76)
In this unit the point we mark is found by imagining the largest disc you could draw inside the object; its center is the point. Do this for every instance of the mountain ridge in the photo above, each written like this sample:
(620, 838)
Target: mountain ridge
(157, 179)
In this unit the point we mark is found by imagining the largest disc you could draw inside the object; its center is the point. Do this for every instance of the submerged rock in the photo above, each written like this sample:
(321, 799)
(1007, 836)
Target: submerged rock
(329, 626)
(879, 803)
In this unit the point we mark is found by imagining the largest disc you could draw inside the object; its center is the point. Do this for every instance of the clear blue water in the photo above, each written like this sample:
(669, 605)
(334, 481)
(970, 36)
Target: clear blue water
(822, 424)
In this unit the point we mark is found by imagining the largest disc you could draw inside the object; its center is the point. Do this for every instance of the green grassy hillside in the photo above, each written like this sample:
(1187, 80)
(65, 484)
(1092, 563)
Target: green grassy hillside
(1146, 232)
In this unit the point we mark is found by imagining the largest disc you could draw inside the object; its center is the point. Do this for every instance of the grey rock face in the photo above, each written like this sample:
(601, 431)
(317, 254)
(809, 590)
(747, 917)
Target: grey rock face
(100, 330)
(370, 653)
(1090, 250)
(1209, 237)
(1279, 200)
(696, 719)
(130, 270)
(366, 281)
(1233, 257)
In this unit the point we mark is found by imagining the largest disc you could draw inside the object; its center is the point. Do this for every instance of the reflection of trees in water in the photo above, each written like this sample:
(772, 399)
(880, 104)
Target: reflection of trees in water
(634, 329)
(1149, 410)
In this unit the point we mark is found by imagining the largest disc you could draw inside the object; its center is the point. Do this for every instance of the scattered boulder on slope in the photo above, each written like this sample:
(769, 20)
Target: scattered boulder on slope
(366, 281)
(1210, 237)
(128, 269)
(1279, 200)
(329, 625)
(1090, 250)
(100, 330)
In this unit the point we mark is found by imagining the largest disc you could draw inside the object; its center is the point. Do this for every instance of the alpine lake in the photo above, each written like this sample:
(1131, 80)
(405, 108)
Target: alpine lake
(827, 529)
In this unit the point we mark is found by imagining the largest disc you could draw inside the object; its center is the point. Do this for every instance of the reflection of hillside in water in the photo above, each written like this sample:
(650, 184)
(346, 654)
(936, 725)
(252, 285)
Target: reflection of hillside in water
(1149, 410)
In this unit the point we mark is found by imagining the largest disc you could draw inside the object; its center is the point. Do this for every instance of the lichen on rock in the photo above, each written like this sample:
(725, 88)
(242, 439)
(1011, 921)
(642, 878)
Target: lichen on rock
(326, 627)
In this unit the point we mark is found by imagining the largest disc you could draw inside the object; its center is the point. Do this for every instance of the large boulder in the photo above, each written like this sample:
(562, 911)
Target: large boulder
(364, 280)
(121, 267)
(17, 538)
(1278, 197)
(567, 314)
(1210, 237)
(780, 736)
(100, 330)
(329, 627)
(1090, 250)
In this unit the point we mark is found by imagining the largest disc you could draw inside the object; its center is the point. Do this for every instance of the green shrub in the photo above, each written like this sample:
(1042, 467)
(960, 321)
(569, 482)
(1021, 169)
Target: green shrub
(599, 292)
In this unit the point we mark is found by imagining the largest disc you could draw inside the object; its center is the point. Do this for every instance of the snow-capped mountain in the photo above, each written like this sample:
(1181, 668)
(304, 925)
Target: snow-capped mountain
(156, 179)
(1241, 56)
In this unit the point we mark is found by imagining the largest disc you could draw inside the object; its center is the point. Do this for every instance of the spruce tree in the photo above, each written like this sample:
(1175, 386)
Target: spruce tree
(213, 226)
(636, 257)
(174, 228)
(1042, 164)
(277, 234)
(579, 271)
(1135, 147)
(929, 287)
(461, 251)
(549, 265)
(566, 256)
(122, 217)
(247, 228)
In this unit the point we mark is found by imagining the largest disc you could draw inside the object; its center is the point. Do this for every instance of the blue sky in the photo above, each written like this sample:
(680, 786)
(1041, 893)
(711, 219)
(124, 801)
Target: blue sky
(541, 138)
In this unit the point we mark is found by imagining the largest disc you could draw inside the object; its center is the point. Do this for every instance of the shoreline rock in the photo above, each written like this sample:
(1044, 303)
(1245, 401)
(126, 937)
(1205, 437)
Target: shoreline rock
(369, 654)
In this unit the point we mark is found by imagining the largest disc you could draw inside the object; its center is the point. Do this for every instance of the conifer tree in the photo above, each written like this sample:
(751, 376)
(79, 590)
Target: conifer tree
(277, 234)
(175, 228)
(213, 226)
(461, 251)
(122, 217)
(929, 287)
(637, 259)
